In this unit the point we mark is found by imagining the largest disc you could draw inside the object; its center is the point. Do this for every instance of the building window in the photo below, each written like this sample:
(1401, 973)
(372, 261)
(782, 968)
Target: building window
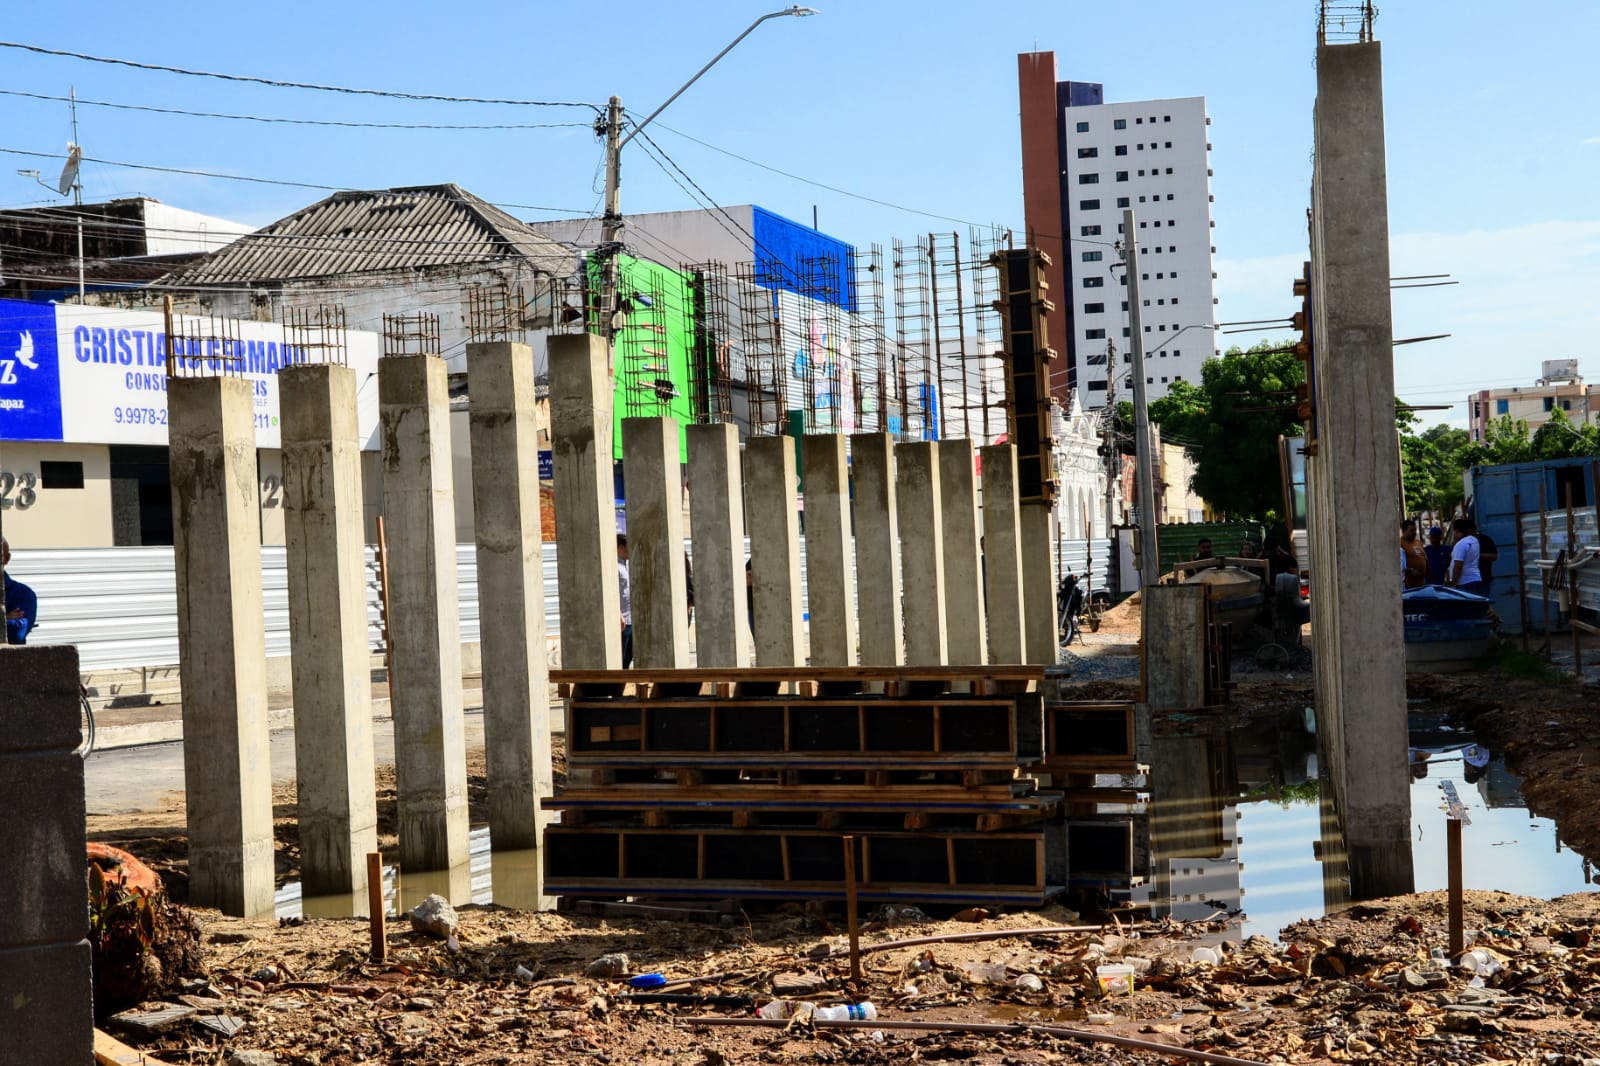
(1169, 196)
(1083, 127)
(1094, 309)
(60, 475)
(1125, 333)
(1549, 402)
(1088, 205)
(1096, 359)
(1092, 257)
(1119, 124)
(1141, 173)
(1122, 201)
(1169, 144)
(1121, 149)
(1566, 405)
(1088, 179)
(1124, 305)
(1174, 299)
(1166, 118)
(1158, 224)
(1122, 175)
(1502, 407)
(1094, 334)
(1093, 282)
(1088, 231)
(1098, 386)
(1169, 170)
(1138, 122)
(1171, 248)
(1141, 199)
(1088, 153)
(1141, 147)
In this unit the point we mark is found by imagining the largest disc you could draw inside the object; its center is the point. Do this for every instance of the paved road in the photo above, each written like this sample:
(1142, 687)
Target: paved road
(145, 778)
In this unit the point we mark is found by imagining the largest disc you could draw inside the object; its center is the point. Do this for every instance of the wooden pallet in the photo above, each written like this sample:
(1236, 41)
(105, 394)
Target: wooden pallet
(789, 776)
(949, 731)
(737, 809)
(770, 680)
(794, 864)
(1088, 737)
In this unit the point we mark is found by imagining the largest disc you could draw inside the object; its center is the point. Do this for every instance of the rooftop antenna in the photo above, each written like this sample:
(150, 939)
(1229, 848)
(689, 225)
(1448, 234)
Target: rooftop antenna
(72, 179)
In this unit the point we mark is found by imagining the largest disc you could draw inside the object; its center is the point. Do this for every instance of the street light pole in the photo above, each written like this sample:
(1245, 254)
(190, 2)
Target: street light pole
(1149, 558)
(611, 221)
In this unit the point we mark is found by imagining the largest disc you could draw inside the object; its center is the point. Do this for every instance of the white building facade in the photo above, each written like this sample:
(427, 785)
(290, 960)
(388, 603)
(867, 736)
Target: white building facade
(1152, 156)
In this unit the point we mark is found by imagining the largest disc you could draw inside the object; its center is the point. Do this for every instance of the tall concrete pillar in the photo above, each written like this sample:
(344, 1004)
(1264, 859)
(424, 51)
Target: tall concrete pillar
(1360, 654)
(505, 511)
(877, 550)
(653, 480)
(771, 483)
(830, 555)
(1002, 554)
(1041, 636)
(586, 522)
(221, 643)
(966, 634)
(46, 1003)
(329, 657)
(424, 614)
(716, 529)
(918, 506)
(1173, 629)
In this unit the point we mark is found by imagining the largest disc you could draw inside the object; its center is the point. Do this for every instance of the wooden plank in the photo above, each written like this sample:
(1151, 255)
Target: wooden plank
(109, 1051)
(742, 675)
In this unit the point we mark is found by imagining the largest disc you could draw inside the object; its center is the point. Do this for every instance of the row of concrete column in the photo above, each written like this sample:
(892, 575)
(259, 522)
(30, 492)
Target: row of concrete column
(902, 566)
(221, 634)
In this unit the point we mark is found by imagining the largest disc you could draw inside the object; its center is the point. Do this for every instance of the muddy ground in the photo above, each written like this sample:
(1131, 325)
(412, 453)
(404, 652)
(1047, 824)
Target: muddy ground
(1361, 986)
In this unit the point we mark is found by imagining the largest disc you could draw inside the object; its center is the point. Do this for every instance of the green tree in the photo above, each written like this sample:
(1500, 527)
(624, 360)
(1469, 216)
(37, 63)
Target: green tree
(1432, 463)
(1505, 440)
(1230, 424)
(1560, 439)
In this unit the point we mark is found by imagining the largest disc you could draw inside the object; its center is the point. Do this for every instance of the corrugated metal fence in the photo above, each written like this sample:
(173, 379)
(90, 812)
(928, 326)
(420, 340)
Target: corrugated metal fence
(120, 605)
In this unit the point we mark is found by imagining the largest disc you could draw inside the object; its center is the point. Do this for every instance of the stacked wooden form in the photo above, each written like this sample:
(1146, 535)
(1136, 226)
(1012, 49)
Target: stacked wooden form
(744, 782)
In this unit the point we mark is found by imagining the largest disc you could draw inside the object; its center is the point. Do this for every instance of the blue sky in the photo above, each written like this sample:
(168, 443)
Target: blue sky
(1492, 134)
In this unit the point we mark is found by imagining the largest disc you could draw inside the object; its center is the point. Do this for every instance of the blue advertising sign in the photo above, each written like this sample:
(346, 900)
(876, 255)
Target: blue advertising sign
(547, 466)
(30, 374)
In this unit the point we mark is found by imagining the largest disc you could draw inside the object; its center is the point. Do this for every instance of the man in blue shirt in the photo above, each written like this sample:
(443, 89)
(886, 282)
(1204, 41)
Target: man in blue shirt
(22, 606)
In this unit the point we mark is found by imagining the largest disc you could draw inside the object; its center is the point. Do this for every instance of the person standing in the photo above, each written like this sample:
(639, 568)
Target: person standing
(1438, 556)
(21, 604)
(1203, 549)
(626, 600)
(1464, 572)
(1416, 570)
(1488, 552)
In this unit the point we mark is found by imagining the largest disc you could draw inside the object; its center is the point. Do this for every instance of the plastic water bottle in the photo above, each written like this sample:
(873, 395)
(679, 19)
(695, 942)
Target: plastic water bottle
(853, 1012)
(783, 1009)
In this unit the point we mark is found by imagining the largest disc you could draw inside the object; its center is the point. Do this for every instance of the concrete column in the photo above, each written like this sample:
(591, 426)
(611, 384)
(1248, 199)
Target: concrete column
(1353, 477)
(1002, 554)
(46, 1004)
(329, 657)
(505, 510)
(716, 529)
(653, 479)
(1173, 619)
(419, 513)
(771, 483)
(965, 632)
(1041, 637)
(586, 522)
(877, 550)
(830, 555)
(918, 506)
(221, 643)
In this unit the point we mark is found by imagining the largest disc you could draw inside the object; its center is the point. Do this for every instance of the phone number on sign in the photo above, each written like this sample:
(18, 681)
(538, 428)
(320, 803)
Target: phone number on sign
(139, 416)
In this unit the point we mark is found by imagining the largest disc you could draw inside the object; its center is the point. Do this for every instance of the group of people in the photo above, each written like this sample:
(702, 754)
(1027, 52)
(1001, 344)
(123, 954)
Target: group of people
(1466, 563)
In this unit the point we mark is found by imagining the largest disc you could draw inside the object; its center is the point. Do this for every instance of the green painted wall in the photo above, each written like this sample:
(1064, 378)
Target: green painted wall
(653, 347)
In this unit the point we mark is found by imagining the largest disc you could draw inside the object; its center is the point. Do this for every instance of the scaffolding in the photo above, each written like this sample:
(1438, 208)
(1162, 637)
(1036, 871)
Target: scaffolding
(492, 315)
(716, 345)
(643, 361)
(876, 396)
(948, 297)
(824, 359)
(765, 374)
(985, 331)
(202, 346)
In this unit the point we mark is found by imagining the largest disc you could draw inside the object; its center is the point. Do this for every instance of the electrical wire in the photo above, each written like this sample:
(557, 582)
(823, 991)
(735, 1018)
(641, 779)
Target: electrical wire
(82, 102)
(278, 83)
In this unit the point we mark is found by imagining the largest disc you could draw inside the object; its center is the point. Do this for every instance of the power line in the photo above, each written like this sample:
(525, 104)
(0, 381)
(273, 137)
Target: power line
(300, 121)
(281, 84)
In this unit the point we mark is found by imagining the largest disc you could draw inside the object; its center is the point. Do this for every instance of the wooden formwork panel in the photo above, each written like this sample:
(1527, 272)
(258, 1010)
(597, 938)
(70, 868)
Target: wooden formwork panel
(1085, 737)
(777, 863)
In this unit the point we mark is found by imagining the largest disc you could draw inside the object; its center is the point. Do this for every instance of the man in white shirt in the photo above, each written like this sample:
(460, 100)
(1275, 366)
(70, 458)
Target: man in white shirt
(1464, 572)
(626, 599)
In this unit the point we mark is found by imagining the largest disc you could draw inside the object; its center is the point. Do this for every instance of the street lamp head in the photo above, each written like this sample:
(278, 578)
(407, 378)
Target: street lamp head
(801, 12)
(34, 174)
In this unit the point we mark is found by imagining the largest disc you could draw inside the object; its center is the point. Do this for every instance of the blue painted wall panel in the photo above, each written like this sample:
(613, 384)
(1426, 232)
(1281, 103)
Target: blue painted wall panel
(783, 249)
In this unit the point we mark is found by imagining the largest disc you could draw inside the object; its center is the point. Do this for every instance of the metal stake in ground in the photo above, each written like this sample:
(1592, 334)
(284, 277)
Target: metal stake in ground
(850, 908)
(1453, 861)
(375, 904)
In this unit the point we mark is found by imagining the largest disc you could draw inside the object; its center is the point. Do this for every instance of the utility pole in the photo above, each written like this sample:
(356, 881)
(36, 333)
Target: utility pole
(77, 190)
(1149, 556)
(1109, 438)
(611, 221)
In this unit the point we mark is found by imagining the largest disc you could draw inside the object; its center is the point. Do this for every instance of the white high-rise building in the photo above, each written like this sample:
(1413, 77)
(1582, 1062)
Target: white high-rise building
(1148, 155)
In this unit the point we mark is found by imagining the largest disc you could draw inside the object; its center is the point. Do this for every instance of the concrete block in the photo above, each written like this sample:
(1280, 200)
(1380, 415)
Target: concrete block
(1173, 640)
(877, 527)
(221, 643)
(716, 530)
(46, 1004)
(1041, 636)
(586, 524)
(516, 673)
(918, 506)
(1002, 554)
(325, 552)
(830, 555)
(966, 633)
(771, 485)
(653, 481)
(419, 512)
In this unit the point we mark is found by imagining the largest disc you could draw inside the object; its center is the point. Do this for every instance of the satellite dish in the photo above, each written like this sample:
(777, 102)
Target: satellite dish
(69, 173)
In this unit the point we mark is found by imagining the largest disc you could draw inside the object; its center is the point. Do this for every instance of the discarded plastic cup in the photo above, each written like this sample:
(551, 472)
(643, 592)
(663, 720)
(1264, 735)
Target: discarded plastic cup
(1029, 982)
(783, 1009)
(1207, 956)
(1116, 979)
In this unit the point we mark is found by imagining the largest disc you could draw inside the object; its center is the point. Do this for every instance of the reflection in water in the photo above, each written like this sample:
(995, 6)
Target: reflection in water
(510, 879)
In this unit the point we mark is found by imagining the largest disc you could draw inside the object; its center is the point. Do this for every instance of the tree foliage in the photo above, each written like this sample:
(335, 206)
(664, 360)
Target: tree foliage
(1435, 460)
(1230, 424)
